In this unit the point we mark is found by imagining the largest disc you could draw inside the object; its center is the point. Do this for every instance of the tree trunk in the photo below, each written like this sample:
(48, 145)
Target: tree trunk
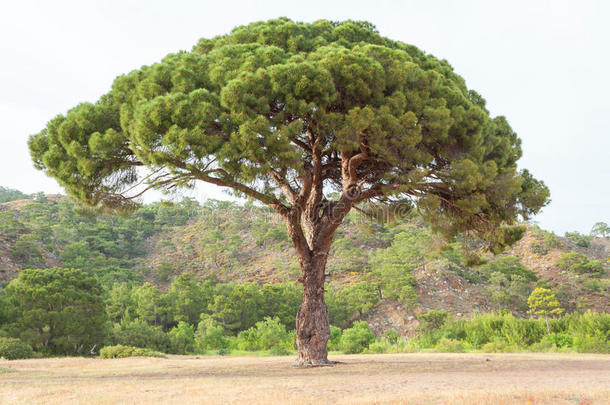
(313, 330)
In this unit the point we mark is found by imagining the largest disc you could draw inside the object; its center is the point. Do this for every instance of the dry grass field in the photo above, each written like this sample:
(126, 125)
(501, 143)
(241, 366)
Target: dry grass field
(359, 379)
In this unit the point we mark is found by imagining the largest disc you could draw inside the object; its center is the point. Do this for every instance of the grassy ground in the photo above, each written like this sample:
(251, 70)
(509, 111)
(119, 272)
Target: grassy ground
(361, 379)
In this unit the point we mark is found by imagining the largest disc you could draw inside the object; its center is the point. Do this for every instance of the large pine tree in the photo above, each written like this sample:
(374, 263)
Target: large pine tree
(291, 114)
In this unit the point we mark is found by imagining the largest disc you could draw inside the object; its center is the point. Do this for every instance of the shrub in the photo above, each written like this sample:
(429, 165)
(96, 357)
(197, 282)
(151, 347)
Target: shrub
(595, 286)
(391, 335)
(558, 339)
(579, 239)
(551, 240)
(138, 333)
(592, 345)
(378, 346)
(542, 346)
(577, 263)
(568, 259)
(279, 351)
(120, 351)
(13, 349)
(223, 352)
(449, 346)
(498, 346)
(510, 267)
(182, 338)
(357, 338)
(539, 248)
(269, 334)
(210, 335)
(335, 338)
(589, 267)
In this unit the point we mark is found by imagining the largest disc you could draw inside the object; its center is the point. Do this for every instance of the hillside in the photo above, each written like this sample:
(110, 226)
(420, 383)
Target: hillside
(390, 272)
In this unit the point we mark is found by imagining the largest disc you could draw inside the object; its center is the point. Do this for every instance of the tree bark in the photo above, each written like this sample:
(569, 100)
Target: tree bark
(313, 330)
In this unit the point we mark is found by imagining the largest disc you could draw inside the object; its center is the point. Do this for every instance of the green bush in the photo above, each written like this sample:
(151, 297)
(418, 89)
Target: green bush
(543, 347)
(558, 339)
(210, 335)
(577, 263)
(551, 240)
(579, 239)
(182, 338)
(246, 340)
(593, 345)
(510, 267)
(279, 351)
(597, 286)
(497, 346)
(378, 346)
(445, 345)
(120, 351)
(357, 338)
(391, 335)
(335, 338)
(12, 349)
(138, 333)
(269, 334)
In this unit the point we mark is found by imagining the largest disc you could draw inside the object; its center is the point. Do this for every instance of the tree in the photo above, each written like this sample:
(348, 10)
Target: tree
(57, 310)
(392, 266)
(600, 229)
(189, 298)
(210, 335)
(288, 113)
(240, 309)
(152, 306)
(542, 302)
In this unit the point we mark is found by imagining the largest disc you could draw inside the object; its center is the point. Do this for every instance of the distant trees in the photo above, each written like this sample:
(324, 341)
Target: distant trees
(56, 310)
(8, 194)
(111, 249)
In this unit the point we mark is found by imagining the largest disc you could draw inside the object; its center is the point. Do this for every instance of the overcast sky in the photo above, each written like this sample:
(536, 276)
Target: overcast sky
(542, 64)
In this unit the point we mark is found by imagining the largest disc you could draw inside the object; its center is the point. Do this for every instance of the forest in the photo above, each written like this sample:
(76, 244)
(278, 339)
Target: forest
(183, 277)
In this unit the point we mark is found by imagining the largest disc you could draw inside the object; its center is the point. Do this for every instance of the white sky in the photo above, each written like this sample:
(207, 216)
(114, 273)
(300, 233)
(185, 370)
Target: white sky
(542, 64)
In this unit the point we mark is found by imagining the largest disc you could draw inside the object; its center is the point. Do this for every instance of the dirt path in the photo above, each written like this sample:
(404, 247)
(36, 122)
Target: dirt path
(400, 378)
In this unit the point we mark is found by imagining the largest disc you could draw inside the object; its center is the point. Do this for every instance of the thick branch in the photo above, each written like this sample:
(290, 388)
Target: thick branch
(283, 184)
